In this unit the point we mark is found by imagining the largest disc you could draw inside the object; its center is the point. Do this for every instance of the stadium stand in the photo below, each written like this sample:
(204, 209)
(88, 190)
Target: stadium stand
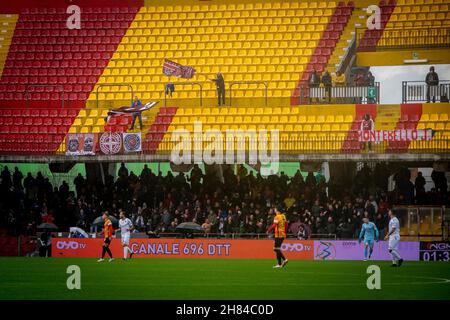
(277, 43)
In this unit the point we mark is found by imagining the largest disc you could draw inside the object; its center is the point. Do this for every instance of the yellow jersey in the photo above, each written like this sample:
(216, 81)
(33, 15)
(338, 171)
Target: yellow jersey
(280, 225)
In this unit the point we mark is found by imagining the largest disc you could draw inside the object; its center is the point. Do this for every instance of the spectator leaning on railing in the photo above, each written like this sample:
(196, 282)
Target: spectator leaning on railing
(432, 80)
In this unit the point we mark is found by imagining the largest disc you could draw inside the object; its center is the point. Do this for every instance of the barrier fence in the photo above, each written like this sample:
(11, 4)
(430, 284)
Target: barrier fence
(399, 38)
(340, 94)
(14, 140)
(419, 91)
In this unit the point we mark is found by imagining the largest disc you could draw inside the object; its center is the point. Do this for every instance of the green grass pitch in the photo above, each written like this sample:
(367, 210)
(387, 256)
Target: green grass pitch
(37, 278)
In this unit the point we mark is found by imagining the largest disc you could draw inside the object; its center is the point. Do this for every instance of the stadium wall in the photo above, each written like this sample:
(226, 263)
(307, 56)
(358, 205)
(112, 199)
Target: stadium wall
(234, 249)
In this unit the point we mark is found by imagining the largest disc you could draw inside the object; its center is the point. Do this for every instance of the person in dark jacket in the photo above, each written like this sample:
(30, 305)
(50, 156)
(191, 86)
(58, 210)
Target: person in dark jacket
(432, 80)
(220, 84)
(135, 105)
(326, 80)
(313, 80)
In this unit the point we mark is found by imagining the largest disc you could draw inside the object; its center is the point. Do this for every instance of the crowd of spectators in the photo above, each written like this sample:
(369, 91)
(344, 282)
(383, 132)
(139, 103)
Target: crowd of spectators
(236, 203)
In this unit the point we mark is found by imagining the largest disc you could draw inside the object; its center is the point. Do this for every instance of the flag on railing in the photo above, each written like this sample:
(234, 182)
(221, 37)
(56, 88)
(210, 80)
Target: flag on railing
(171, 68)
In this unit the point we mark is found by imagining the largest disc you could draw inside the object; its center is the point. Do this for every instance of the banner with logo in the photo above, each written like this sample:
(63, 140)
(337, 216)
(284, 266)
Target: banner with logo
(78, 144)
(352, 250)
(171, 68)
(132, 142)
(185, 248)
(395, 135)
(435, 251)
(116, 142)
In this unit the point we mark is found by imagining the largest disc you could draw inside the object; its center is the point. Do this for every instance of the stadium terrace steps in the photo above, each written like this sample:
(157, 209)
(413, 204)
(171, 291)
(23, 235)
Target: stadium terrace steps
(44, 52)
(408, 14)
(409, 118)
(158, 129)
(357, 19)
(370, 38)
(7, 26)
(326, 45)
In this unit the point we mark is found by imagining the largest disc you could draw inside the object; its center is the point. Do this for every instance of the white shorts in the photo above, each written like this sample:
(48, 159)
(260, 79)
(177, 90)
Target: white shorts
(126, 239)
(393, 242)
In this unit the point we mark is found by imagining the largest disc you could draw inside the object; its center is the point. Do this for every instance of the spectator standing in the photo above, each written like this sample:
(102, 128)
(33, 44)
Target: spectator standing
(432, 81)
(419, 184)
(220, 85)
(367, 124)
(135, 105)
(17, 178)
(313, 80)
(327, 83)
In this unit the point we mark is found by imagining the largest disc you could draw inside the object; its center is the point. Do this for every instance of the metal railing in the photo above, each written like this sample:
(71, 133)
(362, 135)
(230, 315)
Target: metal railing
(185, 84)
(308, 139)
(28, 92)
(236, 83)
(419, 91)
(422, 221)
(114, 85)
(340, 94)
(396, 38)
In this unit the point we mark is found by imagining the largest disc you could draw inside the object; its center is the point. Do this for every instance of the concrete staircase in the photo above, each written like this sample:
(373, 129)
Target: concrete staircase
(357, 20)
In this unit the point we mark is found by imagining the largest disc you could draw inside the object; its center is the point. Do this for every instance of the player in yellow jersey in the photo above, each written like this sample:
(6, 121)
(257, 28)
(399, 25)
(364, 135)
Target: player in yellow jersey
(280, 227)
(108, 234)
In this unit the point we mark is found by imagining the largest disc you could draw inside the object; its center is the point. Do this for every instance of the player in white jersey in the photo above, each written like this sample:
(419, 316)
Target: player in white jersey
(394, 239)
(125, 226)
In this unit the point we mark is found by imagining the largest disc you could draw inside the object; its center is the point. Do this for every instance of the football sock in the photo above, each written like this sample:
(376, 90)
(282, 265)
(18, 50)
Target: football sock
(103, 252)
(125, 251)
(279, 257)
(395, 255)
(365, 252)
(109, 252)
(370, 252)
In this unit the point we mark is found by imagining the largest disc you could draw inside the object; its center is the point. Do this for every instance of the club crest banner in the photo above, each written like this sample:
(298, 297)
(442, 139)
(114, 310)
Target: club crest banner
(132, 142)
(78, 144)
(110, 142)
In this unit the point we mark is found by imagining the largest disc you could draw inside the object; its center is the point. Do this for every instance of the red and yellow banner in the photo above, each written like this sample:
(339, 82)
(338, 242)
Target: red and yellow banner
(395, 135)
(185, 248)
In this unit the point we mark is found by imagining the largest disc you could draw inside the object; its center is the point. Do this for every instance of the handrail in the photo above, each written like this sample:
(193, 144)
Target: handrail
(233, 83)
(183, 84)
(396, 38)
(112, 85)
(417, 91)
(341, 94)
(45, 86)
